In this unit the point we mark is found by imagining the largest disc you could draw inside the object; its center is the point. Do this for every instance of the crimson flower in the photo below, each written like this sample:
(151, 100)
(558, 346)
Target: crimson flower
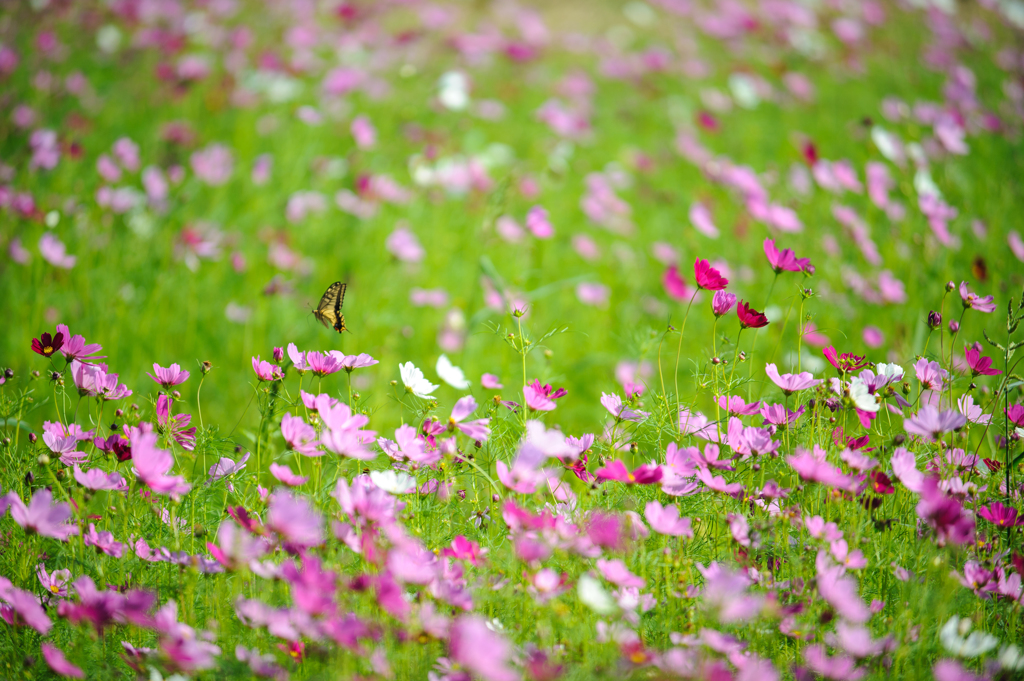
(846, 362)
(708, 277)
(880, 483)
(46, 344)
(749, 317)
(980, 366)
(1003, 516)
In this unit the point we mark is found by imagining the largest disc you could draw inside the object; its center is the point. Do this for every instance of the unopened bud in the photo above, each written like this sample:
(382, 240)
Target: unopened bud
(43, 460)
(278, 354)
(175, 394)
(934, 320)
(119, 413)
(205, 367)
(954, 326)
(950, 286)
(743, 357)
(716, 361)
(9, 372)
(495, 498)
(35, 374)
(394, 383)
(32, 438)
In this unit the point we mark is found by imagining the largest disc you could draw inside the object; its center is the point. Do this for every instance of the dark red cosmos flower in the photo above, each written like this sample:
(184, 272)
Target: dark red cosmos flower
(749, 317)
(46, 345)
(845, 362)
(881, 484)
(708, 277)
(116, 445)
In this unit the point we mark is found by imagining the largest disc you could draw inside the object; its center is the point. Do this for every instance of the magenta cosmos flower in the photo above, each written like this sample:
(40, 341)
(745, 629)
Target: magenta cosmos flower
(541, 397)
(486, 654)
(980, 366)
(172, 375)
(707, 277)
(58, 663)
(749, 317)
(974, 301)
(785, 260)
(152, 465)
(675, 286)
(299, 435)
(845, 362)
(1003, 516)
(791, 383)
(616, 470)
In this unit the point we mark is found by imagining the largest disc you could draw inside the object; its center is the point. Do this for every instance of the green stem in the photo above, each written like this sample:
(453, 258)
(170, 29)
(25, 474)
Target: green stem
(679, 347)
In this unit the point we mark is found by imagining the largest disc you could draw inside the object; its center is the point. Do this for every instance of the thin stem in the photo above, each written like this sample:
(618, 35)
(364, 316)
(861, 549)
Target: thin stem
(679, 347)
(199, 406)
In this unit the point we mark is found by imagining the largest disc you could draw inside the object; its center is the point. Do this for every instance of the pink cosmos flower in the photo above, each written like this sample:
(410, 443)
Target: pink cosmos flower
(538, 223)
(590, 293)
(64, 446)
(42, 516)
(778, 414)
(974, 301)
(294, 520)
(838, 668)
(707, 277)
(345, 435)
(791, 383)
(226, 467)
(722, 302)
(404, 245)
(363, 132)
(749, 317)
(236, 547)
(213, 164)
(75, 347)
(665, 520)
(99, 480)
(103, 541)
(479, 650)
(491, 382)
(152, 465)
(172, 375)
(299, 435)
(285, 475)
(541, 398)
(55, 583)
(54, 252)
(475, 430)
(972, 411)
(815, 468)
(266, 371)
(177, 424)
(735, 406)
(621, 411)
(930, 423)
(675, 286)
(25, 605)
(931, 374)
(616, 572)
(1003, 516)
(945, 514)
(980, 366)
(718, 483)
(616, 470)
(464, 549)
(785, 260)
(701, 219)
(750, 441)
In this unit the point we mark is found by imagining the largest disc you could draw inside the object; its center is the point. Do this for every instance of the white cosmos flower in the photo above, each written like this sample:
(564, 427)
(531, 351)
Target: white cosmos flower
(415, 382)
(395, 483)
(861, 397)
(893, 372)
(955, 638)
(594, 596)
(451, 374)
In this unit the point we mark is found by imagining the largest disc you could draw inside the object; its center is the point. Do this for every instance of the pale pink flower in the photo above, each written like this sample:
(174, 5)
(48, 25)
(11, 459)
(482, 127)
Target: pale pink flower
(363, 132)
(791, 383)
(538, 223)
(54, 252)
(213, 164)
(56, 661)
(284, 474)
(42, 516)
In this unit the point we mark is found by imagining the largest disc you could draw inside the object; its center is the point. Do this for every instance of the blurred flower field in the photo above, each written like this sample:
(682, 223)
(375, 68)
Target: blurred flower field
(681, 340)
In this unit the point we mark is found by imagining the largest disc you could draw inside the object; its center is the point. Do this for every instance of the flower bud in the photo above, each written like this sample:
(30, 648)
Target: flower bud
(716, 361)
(205, 367)
(32, 437)
(9, 372)
(175, 394)
(43, 460)
(950, 286)
(954, 326)
(119, 413)
(934, 320)
(278, 354)
(35, 374)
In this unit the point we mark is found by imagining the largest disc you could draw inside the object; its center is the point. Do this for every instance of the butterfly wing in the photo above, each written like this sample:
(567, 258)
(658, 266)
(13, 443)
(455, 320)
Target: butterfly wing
(328, 311)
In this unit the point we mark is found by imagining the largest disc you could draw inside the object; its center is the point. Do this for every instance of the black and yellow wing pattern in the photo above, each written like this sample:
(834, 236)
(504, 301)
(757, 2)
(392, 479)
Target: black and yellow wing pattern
(328, 311)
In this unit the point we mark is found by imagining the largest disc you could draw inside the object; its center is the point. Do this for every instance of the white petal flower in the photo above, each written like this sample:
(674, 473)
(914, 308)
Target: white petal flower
(395, 483)
(955, 638)
(893, 372)
(415, 382)
(861, 396)
(594, 596)
(451, 374)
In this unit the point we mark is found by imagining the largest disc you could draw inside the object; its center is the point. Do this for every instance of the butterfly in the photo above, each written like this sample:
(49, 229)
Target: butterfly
(328, 311)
